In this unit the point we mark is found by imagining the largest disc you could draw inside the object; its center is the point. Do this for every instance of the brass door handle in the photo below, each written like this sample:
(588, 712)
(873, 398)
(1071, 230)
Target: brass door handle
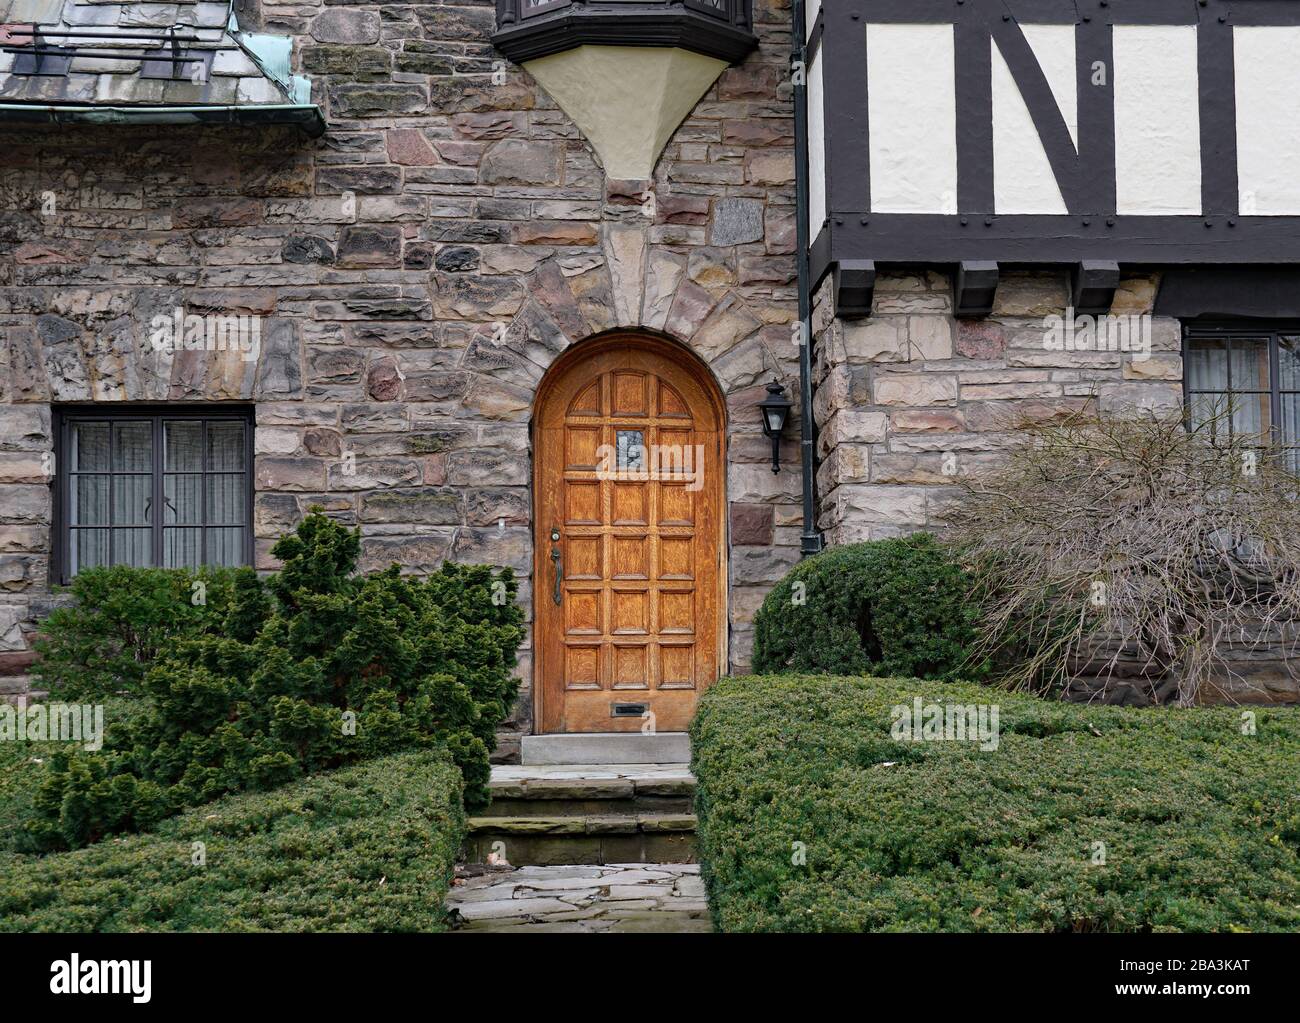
(558, 559)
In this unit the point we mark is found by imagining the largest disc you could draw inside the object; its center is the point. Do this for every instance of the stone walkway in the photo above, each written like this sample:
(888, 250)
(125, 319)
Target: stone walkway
(620, 897)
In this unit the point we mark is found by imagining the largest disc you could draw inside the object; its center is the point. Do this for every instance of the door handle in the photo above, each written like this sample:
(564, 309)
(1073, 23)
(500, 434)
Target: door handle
(558, 559)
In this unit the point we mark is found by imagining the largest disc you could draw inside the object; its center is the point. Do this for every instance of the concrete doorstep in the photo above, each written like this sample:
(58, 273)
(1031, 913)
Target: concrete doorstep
(606, 748)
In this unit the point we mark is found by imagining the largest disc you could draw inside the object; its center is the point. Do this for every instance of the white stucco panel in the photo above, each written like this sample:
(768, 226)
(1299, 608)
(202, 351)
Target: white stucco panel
(1157, 120)
(816, 146)
(912, 107)
(1023, 181)
(1268, 119)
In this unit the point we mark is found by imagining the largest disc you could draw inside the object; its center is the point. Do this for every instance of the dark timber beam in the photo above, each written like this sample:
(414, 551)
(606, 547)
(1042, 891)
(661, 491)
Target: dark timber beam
(974, 288)
(1093, 287)
(855, 283)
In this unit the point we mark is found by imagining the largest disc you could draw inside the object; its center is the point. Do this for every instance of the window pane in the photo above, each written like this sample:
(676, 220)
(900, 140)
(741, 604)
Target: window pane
(1207, 366)
(89, 446)
(184, 496)
(226, 547)
(1250, 414)
(225, 500)
(89, 548)
(1249, 360)
(132, 447)
(88, 496)
(183, 446)
(181, 548)
(109, 483)
(1288, 363)
(132, 547)
(225, 446)
(1290, 419)
(131, 506)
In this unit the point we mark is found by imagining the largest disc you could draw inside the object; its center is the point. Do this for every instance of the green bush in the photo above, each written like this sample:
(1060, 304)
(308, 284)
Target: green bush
(313, 669)
(121, 620)
(365, 848)
(23, 767)
(889, 607)
(1199, 823)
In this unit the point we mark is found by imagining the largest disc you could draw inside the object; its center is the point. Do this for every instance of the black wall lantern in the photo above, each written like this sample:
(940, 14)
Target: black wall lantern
(776, 410)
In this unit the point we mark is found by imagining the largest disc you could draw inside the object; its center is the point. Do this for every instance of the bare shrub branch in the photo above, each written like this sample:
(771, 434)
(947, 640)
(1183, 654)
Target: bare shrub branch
(1106, 540)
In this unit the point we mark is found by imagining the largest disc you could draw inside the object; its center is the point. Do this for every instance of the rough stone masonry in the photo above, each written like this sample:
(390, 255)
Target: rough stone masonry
(416, 271)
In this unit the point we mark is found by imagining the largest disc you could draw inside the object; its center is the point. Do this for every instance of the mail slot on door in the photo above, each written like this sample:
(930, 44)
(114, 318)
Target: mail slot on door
(627, 710)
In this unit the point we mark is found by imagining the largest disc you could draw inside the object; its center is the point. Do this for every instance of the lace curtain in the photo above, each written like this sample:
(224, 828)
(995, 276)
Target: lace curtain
(113, 469)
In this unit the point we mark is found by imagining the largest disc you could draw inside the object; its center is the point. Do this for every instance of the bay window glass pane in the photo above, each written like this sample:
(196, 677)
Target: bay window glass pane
(183, 498)
(1290, 425)
(89, 447)
(225, 447)
(133, 547)
(1207, 366)
(132, 447)
(225, 500)
(88, 548)
(131, 500)
(1249, 365)
(1288, 363)
(183, 445)
(1250, 414)
(226, 547)
(182, 548)
(88, 497)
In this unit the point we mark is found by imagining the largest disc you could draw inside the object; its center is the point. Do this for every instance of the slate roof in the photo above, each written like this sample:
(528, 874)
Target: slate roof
(109, 66)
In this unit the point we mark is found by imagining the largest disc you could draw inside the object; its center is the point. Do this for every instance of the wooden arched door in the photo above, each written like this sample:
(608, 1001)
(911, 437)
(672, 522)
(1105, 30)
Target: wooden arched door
(630, 567)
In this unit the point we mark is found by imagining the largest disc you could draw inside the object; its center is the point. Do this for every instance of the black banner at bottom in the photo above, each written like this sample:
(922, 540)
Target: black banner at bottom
(145, 973)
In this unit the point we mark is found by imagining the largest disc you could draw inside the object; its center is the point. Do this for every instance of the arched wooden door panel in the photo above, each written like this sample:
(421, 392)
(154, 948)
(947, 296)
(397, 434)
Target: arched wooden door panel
(629, 580)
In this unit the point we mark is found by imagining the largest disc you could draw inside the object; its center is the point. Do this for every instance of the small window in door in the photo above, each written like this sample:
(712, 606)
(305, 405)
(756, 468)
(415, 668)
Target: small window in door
(631, 451)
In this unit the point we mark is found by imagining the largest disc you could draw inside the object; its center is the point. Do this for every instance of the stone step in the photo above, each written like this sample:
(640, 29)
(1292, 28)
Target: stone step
(570, 805)
(573, 790)
(582, 839)
(605, 748)
(15, 685)
(609, 899)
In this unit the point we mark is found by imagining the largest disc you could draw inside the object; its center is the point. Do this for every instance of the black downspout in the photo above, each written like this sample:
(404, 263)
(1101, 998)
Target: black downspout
(811, 540)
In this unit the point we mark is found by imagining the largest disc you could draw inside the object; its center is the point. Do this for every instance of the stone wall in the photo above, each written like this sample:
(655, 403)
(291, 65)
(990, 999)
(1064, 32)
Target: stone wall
(911, 399)
(416, 271)
(1259, 665)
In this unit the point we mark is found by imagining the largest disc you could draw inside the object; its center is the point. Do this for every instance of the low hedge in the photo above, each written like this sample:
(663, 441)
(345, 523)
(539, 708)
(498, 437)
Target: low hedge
(1200, 823)
(365, 848)
(886, 607)
(23, 766)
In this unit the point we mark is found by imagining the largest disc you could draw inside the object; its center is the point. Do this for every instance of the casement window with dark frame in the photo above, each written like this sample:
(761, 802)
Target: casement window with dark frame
(1245, 380)
(153, 488)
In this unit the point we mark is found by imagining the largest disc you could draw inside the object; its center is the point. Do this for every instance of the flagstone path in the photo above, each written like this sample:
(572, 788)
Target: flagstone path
(619, 897)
